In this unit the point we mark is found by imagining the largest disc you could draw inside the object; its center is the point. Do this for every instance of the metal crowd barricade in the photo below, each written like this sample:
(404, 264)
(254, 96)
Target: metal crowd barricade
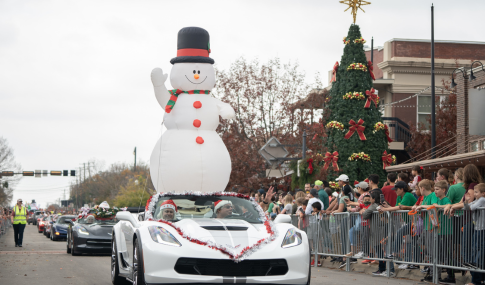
(425, 238)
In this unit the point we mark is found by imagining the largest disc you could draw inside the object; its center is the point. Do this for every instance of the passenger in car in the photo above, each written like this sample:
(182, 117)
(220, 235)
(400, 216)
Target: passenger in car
(223, 208)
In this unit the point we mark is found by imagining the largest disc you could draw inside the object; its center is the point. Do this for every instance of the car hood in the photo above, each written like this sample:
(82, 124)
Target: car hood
(232, 234)
(98, 230)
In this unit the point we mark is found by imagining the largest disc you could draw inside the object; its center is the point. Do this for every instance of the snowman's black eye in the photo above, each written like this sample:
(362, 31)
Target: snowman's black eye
(198, 71)
(194, 71)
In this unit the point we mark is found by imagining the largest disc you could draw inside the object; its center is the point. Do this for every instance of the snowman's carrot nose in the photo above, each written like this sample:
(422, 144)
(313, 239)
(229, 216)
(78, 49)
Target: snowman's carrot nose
(196, 76)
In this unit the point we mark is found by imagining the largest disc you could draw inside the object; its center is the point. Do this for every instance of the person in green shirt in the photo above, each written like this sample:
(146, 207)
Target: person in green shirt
(457, 191)
(322, 195)
(445, 230)
(404, 198)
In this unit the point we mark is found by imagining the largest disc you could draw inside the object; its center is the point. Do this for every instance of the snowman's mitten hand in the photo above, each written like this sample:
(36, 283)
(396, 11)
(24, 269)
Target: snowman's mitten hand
(158, 78)
(226, 111)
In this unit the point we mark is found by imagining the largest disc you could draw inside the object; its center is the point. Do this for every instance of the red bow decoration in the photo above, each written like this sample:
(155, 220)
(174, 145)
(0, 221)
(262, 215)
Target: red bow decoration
(386, 130)
(371, 97)
(371, 70)
(366, 180)
(331, 158)
(386, 159)
(334, 77)
(356, 127)
(356, 182)
(310, 165)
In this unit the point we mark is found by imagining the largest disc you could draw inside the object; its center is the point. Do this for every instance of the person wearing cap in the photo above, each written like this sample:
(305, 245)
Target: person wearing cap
(322, 195)
(405, 200)
(223, 208)
(19, 220)
(168, 209)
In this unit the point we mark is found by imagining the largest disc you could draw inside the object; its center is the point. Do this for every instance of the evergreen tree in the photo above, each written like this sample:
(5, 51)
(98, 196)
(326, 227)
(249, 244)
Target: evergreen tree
(348, 101)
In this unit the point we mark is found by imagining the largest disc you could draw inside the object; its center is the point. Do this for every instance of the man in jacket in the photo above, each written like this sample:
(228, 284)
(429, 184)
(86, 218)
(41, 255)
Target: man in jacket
(19, 220)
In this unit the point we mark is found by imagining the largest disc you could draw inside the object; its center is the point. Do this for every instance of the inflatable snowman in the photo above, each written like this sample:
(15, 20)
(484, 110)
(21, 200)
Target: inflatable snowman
(190, 155)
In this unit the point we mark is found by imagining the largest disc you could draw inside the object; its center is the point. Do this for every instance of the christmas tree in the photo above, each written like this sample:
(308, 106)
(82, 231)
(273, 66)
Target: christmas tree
(357, 141)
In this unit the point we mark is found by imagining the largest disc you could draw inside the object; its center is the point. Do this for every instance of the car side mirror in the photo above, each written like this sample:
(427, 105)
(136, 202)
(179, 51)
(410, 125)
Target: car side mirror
(282, 219)
(127, 216)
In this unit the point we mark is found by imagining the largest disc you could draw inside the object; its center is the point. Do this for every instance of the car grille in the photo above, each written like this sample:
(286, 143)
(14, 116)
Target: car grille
(222, 267)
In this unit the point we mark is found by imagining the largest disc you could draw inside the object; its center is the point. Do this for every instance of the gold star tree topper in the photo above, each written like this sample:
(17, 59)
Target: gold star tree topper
(355, 4)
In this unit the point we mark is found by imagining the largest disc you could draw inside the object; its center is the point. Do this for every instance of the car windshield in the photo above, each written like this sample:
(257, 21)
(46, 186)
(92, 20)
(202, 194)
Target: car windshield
(194, 207)
(65, 219)
(91, 220)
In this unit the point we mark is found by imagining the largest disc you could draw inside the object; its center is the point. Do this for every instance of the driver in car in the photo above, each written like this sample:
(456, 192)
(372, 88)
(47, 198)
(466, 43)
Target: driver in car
(168, 209)
(223, 208)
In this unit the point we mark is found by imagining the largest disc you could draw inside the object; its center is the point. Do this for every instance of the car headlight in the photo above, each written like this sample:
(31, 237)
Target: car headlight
(163, 236)
(83, 231)
(292, 238)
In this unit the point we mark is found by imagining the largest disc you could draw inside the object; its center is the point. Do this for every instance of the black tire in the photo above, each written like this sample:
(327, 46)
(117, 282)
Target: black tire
(116, 279)
(138, 274)
(68, 248)
(73, 251)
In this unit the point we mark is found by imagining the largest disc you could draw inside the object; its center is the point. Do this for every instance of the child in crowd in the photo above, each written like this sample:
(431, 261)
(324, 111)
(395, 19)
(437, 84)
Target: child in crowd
(427, 189)
(362, 205)
(445, 230)
(302, 203)
(416, 172)
(479, 231)
(317, 207)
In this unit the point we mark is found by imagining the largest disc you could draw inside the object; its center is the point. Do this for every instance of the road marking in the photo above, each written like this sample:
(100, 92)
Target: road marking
(33, 252)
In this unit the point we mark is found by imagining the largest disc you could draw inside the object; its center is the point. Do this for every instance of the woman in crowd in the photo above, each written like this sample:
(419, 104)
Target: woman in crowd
(288, 204)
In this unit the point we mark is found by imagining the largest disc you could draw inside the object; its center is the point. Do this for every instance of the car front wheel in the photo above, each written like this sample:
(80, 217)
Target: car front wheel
(138, 274)
(116, 279)
(73, 251)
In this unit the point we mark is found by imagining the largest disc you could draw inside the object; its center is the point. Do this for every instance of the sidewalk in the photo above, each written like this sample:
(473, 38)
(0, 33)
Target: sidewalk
(414, 274)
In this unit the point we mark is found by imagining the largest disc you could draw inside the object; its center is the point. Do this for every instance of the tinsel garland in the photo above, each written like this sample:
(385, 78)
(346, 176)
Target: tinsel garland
(245, 252)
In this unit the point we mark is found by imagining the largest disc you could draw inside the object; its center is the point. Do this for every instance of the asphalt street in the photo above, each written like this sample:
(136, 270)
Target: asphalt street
(41, 261)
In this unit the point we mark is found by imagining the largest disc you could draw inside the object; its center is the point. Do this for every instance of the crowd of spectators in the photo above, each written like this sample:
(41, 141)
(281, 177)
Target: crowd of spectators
(5, 222)
(463, 189)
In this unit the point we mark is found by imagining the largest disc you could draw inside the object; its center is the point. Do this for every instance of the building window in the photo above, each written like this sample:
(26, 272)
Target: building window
(473, 146)
(483, 145)
(424, 111)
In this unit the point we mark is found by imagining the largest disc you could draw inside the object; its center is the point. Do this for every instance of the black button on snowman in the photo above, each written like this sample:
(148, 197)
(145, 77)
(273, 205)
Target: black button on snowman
(190, 147)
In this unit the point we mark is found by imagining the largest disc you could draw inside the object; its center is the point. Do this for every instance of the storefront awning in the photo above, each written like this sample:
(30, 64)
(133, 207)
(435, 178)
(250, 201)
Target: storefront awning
(452, 161)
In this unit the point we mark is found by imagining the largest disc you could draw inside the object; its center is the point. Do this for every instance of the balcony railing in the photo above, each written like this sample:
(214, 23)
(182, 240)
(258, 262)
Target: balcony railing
(398, 130)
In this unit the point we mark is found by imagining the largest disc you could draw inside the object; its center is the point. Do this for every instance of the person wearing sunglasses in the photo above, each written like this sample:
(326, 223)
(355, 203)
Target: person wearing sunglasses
(223, 208)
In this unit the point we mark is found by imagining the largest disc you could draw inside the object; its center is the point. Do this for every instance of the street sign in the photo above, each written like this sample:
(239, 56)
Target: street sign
(273, 150)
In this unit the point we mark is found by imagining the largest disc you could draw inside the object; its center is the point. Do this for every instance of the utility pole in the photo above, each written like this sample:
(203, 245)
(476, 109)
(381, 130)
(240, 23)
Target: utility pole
(433, 99)
(89, 170)
(84, 171)
(134, 153)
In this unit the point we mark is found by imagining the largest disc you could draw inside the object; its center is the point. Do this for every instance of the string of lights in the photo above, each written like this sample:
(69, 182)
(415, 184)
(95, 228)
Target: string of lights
(410, 97)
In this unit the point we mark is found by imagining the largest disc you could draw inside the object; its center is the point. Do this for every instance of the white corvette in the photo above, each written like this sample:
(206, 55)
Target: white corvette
(207, 238)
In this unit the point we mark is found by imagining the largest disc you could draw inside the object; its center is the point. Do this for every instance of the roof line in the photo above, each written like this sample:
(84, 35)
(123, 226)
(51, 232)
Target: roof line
(436, 41)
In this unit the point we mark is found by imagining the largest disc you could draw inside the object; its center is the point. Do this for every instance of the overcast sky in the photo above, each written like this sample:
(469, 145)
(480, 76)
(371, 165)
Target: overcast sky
(75, 75)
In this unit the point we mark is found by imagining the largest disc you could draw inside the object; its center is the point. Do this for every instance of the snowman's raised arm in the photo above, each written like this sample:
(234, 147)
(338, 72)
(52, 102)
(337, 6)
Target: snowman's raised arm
(225, 110)
(161, 92)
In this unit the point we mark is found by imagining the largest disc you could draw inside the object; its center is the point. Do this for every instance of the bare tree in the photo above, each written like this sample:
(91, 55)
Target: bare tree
(7, 163)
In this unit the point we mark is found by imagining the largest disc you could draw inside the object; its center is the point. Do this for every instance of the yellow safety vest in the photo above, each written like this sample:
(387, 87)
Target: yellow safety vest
(20, 215)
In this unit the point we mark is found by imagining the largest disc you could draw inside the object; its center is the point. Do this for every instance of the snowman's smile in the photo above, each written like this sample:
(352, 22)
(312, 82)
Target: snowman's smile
(195, 82)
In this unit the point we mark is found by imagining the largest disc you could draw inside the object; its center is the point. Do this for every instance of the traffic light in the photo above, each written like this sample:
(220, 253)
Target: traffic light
(65, 173)
(7, 173)
(28, 173)
(73, 172)
(56, 173)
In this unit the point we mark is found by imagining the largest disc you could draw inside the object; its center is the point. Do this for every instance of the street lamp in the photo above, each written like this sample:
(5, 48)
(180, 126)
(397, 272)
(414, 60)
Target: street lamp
(472, 77)
(453, 84)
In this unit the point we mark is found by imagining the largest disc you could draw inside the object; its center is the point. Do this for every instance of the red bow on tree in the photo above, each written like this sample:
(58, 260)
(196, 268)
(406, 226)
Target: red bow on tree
(331, 158)
(356, 127)
(310, 165)
(371, 70)
(386, 159)
(371, 97)
(334, 77)
(386, 130)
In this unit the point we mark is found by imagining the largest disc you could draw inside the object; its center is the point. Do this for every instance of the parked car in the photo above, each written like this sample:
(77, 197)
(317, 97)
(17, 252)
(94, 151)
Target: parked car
(41, 224)
(90, 235)
(60, 226)
(37, 216)
(183, 240)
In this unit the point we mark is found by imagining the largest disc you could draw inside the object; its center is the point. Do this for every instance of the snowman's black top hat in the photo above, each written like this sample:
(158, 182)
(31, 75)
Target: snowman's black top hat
(193, 46)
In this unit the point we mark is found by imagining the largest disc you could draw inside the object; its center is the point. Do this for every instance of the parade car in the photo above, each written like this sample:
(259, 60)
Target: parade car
(48, 224)
(38, 215)
(207, 238)
(59, 227)
(90, 235)
(41, 224)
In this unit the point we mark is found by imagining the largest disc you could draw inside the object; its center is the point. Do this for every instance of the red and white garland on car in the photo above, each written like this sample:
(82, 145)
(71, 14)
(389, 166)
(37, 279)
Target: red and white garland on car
(245, 252)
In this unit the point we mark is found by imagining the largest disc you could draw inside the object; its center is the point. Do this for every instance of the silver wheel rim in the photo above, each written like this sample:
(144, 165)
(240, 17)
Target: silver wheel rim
(113, 261)
(135, 267)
